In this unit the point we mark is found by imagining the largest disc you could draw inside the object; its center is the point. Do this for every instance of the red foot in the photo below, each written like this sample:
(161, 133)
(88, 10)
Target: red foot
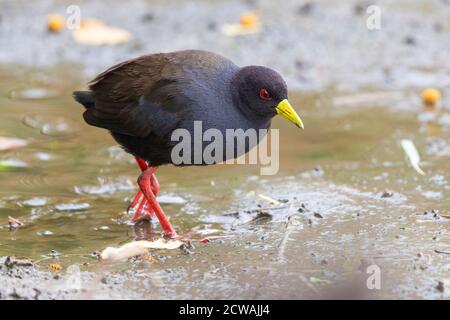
(147, 186)
(145, 204)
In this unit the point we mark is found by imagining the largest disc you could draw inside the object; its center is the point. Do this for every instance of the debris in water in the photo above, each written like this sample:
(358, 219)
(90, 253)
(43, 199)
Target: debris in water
(442, 252)
(318, 280)
(318, 215)
(187, 248)
(287, 232)
(302, 208)
(137, 248)
(14, 223)
(209, 238)
(413, 155)
(440, 286)
(54, 254)
(45, 233)
(11, 164)
(43, 156)
(387, 194)
(260, 216)
(11, 143)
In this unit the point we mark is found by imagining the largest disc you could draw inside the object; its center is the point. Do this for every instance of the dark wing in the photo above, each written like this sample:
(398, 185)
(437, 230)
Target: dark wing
(136, 97)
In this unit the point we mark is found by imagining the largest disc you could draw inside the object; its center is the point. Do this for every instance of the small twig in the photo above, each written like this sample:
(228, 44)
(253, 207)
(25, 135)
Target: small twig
(443, 252)
(14, 223)
(269, 199)
(287, 232)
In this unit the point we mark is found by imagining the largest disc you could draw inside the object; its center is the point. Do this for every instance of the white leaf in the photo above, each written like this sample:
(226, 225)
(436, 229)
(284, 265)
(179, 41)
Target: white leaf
(413, 155)
(94, 32)
(11, 143)
(136, 248)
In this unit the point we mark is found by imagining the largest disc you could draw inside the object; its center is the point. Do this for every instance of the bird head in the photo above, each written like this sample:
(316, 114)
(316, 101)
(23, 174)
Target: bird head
(262, 92)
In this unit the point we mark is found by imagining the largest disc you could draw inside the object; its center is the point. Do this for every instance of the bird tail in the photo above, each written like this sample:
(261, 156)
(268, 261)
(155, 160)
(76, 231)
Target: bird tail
(86, 98)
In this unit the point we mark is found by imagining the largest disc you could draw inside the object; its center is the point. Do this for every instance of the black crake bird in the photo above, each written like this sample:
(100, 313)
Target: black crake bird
(143, 100)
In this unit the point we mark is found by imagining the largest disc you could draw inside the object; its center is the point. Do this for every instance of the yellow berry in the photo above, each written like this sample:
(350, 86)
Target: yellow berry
(55, 267)
(55, 23)
(248, 20)
(430, 95)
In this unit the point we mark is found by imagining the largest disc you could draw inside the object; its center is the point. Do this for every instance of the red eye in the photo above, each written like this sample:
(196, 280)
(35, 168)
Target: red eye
(264, 94)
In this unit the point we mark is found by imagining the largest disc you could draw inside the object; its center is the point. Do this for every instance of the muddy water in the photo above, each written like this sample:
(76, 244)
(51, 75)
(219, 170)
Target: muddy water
(71, 185)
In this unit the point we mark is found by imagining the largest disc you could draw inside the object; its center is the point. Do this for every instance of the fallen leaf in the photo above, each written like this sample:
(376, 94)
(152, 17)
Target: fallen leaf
(136, 248)
(413, 155)
(11, 164)
(11, 143)
(95, 32)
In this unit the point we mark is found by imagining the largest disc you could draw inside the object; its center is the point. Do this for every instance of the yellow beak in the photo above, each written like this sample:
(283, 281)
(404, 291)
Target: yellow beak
(285, 110)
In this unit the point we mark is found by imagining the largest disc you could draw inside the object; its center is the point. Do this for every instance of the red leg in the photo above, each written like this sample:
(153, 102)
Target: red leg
(140, 204)
(145, 183)
(154, 182)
